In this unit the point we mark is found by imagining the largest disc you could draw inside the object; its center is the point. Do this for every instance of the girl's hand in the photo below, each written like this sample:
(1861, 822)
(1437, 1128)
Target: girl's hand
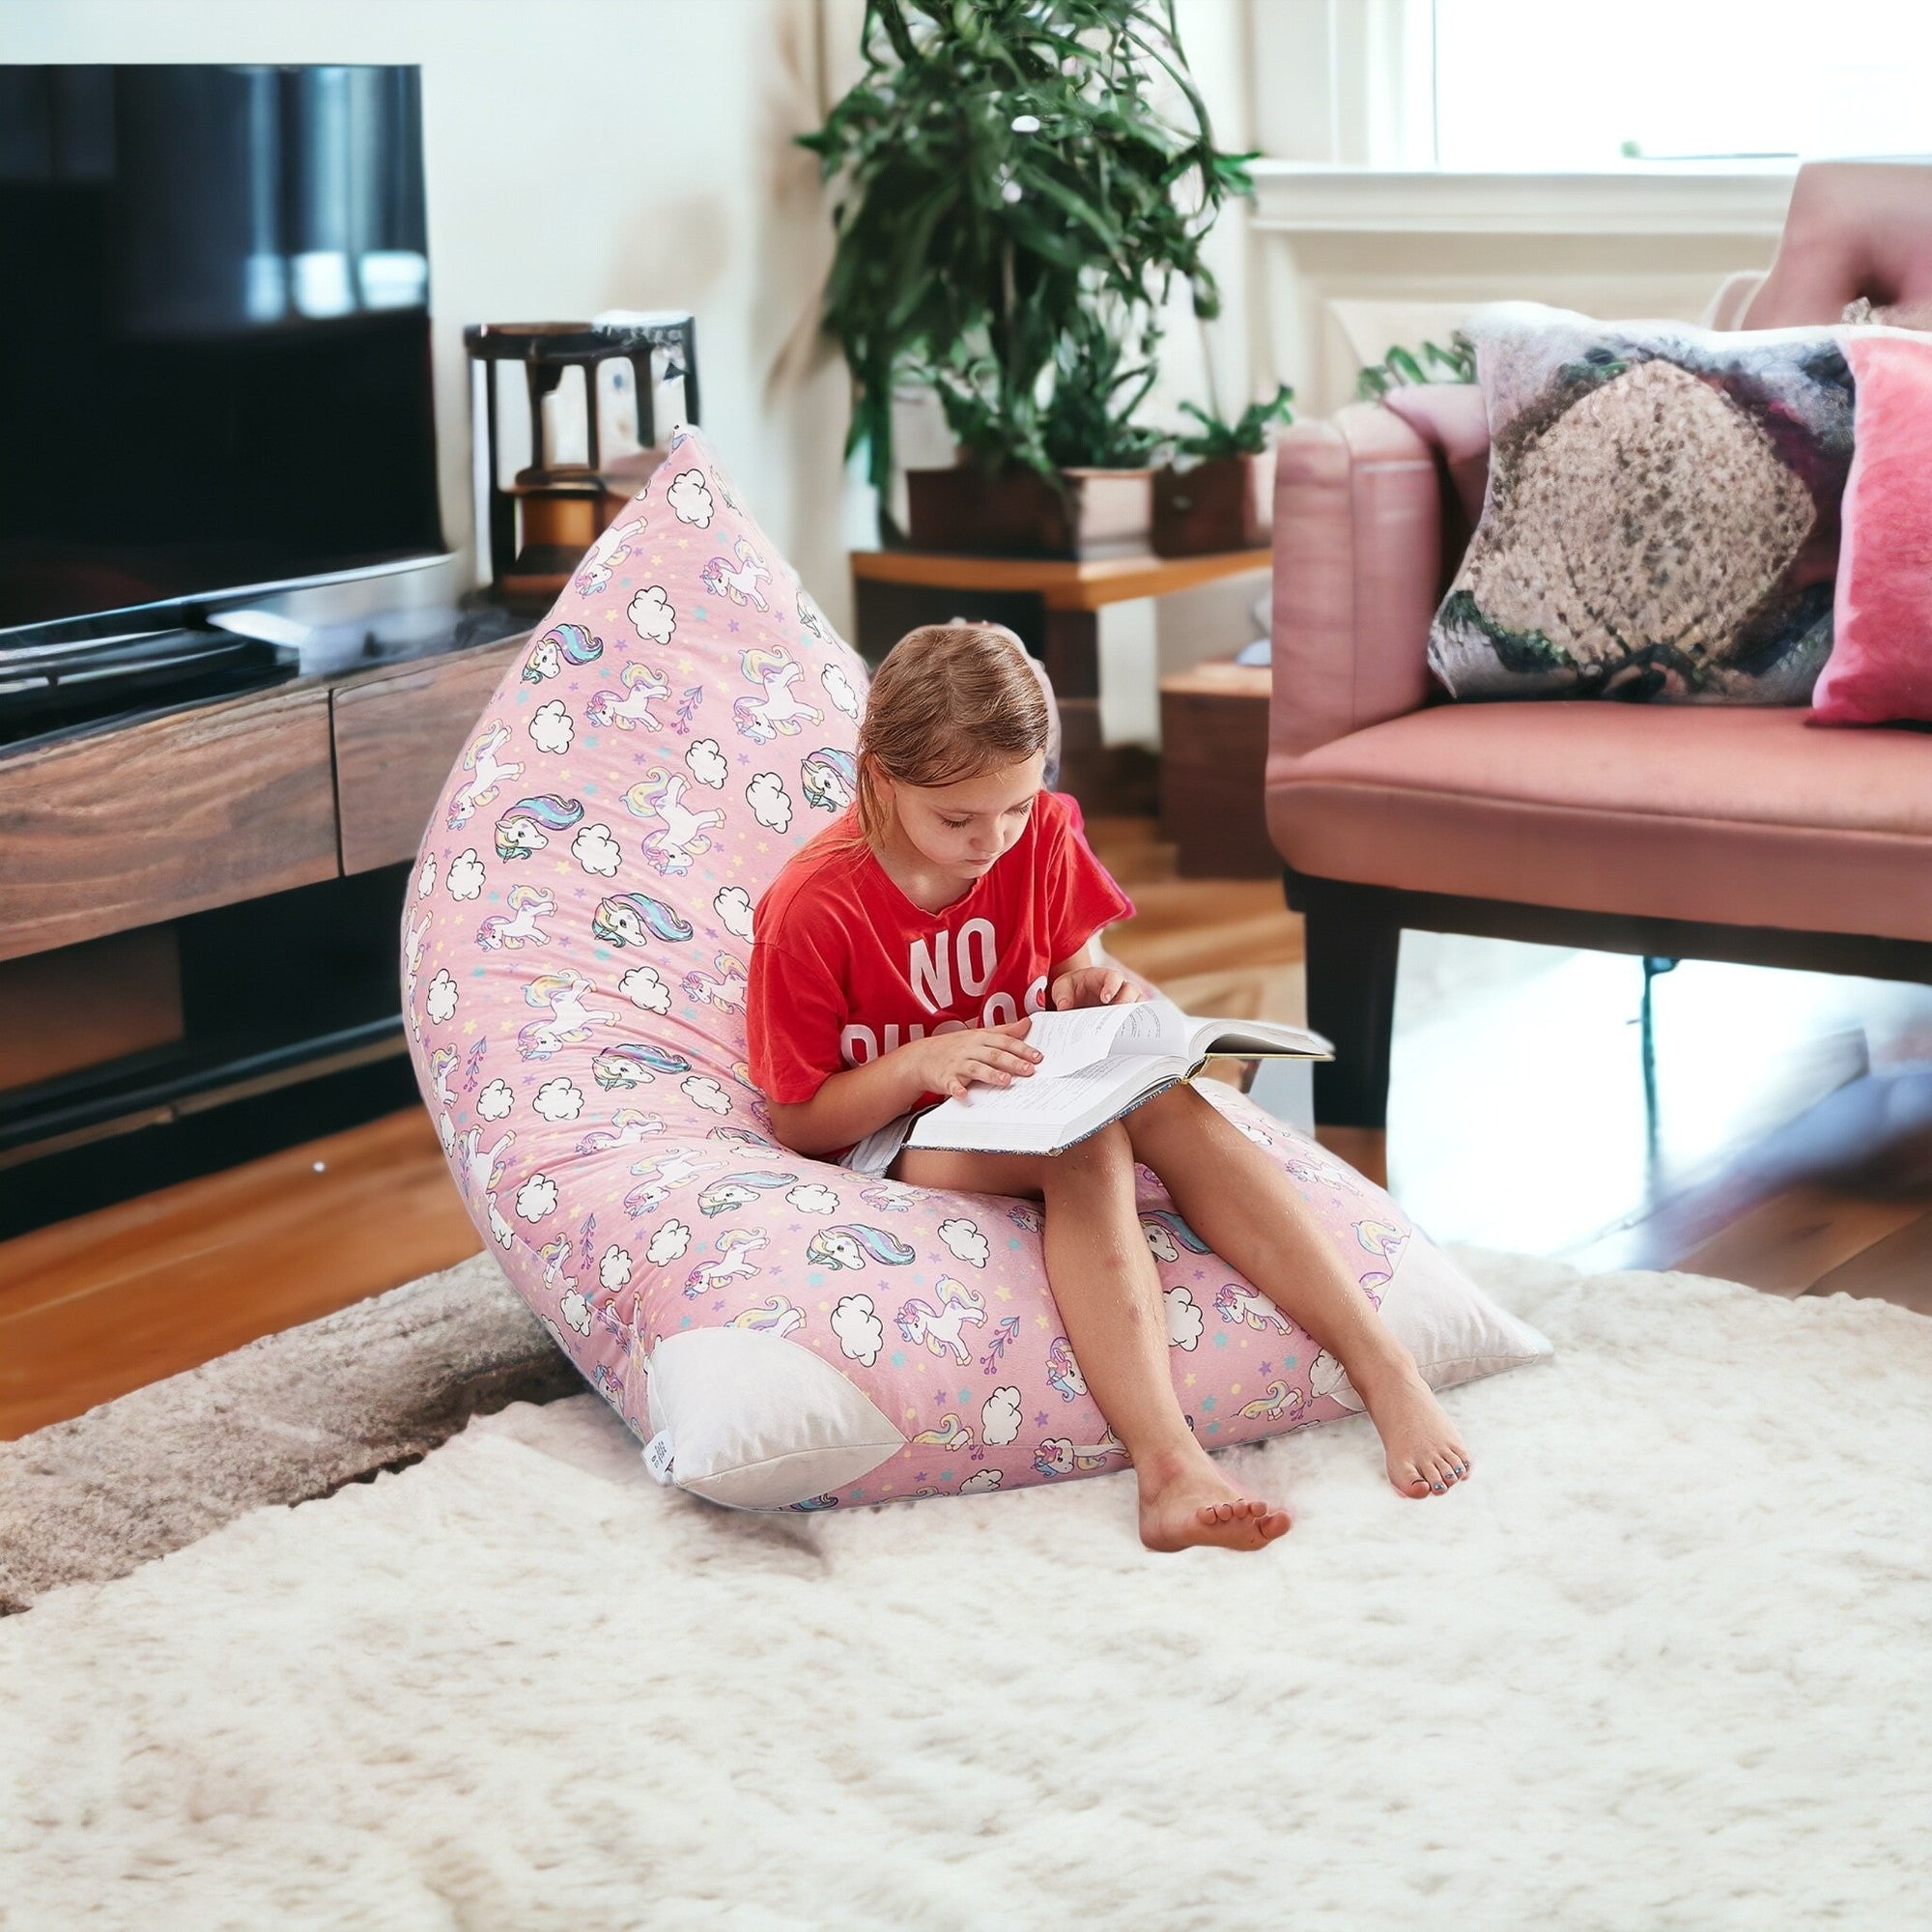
(1095, 986)
(993, 1055)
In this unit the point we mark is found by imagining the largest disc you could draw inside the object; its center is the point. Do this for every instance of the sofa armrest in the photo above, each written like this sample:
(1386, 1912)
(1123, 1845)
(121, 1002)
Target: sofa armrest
(1357, 562)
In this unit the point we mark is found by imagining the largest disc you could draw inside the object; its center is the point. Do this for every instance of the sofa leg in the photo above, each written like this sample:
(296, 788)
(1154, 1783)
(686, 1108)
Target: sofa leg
(1352, 940)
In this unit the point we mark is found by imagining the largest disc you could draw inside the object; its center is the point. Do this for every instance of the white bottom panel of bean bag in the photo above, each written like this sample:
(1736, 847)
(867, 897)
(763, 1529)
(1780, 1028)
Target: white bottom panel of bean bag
(756, 1422)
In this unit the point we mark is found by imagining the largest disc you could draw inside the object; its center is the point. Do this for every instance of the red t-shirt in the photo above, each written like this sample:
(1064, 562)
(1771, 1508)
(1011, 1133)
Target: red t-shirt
(844, 967)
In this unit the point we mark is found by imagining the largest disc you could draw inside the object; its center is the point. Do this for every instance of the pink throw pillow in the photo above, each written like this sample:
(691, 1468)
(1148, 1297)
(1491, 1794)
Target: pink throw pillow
(1880, 669)
(1454, 418)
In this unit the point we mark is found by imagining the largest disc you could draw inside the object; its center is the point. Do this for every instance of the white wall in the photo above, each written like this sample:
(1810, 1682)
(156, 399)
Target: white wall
(585, 155)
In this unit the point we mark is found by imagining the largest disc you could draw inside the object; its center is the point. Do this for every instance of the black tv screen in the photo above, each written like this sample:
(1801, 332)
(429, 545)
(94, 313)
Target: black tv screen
(214, 353)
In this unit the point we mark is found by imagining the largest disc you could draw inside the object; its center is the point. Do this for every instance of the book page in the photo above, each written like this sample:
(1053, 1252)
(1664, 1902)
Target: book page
(1152, 1026)
(1045, 1114)
(1256, 1038)
(1071, 1040)
(1061, 1098)
(1076, 1039)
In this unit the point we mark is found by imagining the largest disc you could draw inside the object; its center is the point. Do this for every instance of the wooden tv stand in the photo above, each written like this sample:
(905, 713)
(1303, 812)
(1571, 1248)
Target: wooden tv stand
(116, 839)
(128, 825)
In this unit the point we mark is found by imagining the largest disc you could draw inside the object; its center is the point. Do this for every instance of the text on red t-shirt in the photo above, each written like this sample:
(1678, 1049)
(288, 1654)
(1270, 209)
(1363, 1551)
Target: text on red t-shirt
(844, 967)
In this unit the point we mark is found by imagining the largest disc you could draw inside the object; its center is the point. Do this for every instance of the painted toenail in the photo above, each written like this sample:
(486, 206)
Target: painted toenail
(1436, 1486)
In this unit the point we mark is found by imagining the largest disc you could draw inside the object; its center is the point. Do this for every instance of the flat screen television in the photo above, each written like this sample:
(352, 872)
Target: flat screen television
(215, 350)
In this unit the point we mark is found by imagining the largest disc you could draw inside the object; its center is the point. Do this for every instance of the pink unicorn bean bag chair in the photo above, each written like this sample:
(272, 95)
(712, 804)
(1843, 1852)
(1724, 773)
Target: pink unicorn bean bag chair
(783, 1334)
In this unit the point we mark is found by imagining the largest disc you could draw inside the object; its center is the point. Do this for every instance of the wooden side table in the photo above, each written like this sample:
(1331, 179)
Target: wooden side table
(1213, 738)
(1054, 605)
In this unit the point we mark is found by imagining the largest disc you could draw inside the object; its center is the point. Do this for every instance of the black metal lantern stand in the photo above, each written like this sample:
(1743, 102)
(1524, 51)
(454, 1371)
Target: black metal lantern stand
(542, 522)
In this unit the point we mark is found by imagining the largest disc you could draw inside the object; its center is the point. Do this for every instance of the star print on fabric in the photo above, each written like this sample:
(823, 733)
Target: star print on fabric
(1040, 1420)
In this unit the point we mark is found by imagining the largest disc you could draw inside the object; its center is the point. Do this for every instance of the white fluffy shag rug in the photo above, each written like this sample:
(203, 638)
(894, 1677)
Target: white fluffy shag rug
(1666, 1662)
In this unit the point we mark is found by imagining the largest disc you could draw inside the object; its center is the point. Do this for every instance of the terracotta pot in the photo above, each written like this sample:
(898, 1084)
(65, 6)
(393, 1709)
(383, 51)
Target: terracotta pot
(1225, 503)
(1019, 513)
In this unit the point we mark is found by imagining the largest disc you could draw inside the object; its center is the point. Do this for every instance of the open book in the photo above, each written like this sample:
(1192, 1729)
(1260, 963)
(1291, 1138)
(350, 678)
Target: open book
(1100, 1062)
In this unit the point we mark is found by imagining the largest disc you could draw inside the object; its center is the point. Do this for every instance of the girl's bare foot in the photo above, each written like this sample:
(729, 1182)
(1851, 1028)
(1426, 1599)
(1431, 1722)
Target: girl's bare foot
(1186, 1500)
(1426, 1456)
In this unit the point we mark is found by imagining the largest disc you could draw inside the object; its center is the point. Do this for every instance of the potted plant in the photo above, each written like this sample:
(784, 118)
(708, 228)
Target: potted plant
(1217, 493)
(1012, 210)
(1398, 369)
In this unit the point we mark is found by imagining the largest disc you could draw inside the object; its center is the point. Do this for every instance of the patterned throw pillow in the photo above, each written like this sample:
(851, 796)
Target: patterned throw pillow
(1661, 519)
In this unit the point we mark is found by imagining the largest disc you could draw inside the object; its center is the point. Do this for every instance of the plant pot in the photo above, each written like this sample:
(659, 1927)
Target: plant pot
(1225, 502)
(1018, 513)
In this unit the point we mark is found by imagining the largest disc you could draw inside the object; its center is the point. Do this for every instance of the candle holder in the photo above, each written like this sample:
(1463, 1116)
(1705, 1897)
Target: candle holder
(542, 522)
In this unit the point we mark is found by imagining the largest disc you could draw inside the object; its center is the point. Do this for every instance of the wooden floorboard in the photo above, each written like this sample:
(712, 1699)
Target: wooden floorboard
(108, 1301)
(1784, 1244)
(1896, 1268)
(1837, 1197)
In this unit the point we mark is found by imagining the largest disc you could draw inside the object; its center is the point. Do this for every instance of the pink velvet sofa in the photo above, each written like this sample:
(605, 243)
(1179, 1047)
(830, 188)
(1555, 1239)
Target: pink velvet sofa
(1672, 832)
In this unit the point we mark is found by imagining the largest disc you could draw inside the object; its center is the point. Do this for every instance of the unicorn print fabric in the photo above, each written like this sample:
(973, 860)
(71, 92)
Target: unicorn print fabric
(781, 1333)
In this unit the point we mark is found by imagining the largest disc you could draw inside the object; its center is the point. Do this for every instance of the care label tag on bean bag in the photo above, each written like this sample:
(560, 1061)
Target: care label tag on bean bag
(657, 1456)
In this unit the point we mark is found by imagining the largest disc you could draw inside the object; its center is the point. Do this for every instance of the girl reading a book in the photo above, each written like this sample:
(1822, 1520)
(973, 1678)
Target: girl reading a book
(897, 959)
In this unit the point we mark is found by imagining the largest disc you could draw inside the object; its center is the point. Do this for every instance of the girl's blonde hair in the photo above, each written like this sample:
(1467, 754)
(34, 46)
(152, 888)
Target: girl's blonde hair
(949, 703)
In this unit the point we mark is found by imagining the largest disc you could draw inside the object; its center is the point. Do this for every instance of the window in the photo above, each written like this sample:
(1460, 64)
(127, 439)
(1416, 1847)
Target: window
(1524, 84)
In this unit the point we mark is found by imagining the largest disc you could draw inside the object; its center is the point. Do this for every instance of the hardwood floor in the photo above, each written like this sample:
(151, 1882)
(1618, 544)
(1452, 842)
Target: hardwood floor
(104, 1304)
(1788, 1144)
